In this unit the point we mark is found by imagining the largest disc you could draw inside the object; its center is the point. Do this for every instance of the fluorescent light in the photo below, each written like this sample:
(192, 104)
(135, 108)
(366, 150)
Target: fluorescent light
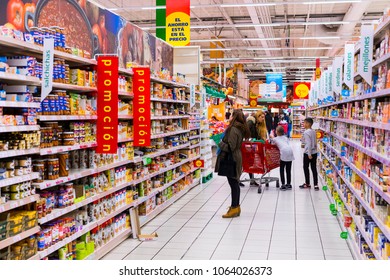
(331, 2)
(248, 5)
(152, 8)
(320, 38)
(318, 48)
(262, 49)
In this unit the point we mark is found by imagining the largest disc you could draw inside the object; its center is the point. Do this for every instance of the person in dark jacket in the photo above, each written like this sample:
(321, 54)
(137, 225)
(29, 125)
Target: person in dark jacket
(251, 122)
(231, 143)
(268, 121)
(252, 125)
(276, 121)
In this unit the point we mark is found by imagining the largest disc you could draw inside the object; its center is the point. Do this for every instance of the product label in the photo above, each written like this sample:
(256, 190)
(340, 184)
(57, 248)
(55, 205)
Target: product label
(141, 106)
(47, 69)
(107, 105)
(367, 45)
(349, 65)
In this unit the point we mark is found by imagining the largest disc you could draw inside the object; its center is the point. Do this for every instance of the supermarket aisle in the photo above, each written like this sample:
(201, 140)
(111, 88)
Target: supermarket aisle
(274, 225)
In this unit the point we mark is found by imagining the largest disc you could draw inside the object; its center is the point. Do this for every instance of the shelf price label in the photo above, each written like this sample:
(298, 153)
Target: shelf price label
(107, 105)
(141, 106)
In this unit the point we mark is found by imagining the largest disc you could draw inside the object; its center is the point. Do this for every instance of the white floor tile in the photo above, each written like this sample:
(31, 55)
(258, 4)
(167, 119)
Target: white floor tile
(276, 256)
(274, 225)
(253, 256)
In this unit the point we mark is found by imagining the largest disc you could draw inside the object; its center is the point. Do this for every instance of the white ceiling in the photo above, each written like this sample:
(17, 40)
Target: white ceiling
(277, 40)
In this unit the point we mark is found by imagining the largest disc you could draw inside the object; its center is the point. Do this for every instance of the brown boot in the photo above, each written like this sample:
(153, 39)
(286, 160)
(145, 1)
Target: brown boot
(232, 212)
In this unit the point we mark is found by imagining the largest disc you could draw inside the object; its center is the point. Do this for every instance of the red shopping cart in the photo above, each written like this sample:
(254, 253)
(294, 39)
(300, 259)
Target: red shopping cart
(285, 127)
(260, 158)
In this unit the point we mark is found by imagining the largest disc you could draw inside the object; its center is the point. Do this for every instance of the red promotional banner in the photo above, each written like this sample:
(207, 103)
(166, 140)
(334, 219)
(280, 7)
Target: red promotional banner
(141, 106)
(107, 105)
(318, 69)
(301, 90)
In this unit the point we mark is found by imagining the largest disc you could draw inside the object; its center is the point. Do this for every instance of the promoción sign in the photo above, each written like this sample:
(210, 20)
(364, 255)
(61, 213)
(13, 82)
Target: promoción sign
(141, 106)
(301, 90)
(178, 22)
(107, 105)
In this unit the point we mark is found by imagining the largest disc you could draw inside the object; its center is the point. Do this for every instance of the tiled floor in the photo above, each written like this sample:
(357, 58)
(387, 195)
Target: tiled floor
(274, 225)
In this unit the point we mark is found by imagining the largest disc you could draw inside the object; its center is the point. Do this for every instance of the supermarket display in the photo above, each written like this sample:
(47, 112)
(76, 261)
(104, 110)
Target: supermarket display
(297, 121)
(59, 198)
(355, 153)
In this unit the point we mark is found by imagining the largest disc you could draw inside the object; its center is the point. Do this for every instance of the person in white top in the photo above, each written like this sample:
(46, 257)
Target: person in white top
(286, 157)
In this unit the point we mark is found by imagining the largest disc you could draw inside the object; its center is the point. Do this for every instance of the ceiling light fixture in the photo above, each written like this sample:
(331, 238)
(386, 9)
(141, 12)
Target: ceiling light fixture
(263, 24)
(235, 5)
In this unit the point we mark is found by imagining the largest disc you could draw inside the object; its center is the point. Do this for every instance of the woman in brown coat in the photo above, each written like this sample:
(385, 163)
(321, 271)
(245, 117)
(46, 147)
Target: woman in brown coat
(234, 135)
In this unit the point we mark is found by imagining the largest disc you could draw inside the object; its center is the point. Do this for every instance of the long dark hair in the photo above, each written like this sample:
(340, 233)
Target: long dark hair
(238, 121)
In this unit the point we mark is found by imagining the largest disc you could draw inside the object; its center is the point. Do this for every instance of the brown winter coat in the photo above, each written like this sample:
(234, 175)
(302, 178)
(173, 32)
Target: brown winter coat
(233, 138)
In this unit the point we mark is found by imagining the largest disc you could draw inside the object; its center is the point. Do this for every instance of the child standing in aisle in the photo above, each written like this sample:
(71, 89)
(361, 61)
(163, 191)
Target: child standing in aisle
(309, 141)
(286, 157)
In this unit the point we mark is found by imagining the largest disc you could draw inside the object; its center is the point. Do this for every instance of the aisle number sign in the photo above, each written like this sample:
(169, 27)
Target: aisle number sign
(107, 105)
(178, 22)
(199, 163)
(141, 106)
(301, 90)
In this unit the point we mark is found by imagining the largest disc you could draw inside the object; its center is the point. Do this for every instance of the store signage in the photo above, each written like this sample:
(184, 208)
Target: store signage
(349, 65)
(203, 98)
(318, 69)
(320, 134)
(141, 106)
(366, 52)
(47, 67)
(337, 74)
(178, 22)
(326, 83)
(107, 104)
(253, 99)
(301, 90)
(192, 95)
(330, 81)
(199, 163)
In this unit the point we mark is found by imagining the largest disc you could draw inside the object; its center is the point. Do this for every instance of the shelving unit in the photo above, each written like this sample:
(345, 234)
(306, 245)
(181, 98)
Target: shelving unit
(356, 144)
(75, 174)
(297, 122)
